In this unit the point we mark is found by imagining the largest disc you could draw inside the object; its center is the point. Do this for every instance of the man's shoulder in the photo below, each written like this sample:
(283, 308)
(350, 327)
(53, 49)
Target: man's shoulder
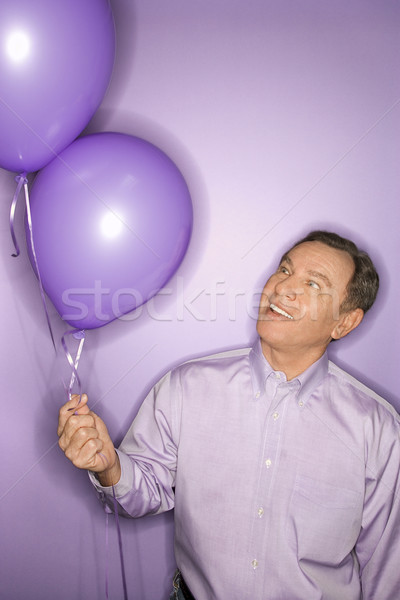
(218, 361)
(360, 391)
(219, 358)
(217, 367)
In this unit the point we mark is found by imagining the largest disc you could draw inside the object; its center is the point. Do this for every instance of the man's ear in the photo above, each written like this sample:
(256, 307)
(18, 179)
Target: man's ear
(347, 322)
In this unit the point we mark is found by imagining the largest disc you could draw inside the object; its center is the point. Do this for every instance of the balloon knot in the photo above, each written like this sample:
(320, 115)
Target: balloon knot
(21, 177)
(79, 334)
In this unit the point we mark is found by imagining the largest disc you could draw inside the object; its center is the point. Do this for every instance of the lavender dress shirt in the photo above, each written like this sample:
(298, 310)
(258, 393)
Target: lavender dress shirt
(283, 490)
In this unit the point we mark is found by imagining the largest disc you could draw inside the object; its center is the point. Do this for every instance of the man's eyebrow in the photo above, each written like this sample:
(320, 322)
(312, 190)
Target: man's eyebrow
(286, 258)
(319, 275)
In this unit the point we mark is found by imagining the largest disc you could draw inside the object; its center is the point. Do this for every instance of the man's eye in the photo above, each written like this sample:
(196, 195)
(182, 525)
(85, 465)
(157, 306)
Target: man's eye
(314, 285)
(283, 270)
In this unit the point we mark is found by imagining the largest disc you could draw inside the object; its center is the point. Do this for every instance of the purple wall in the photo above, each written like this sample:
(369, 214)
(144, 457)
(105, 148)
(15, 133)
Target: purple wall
(282, 117)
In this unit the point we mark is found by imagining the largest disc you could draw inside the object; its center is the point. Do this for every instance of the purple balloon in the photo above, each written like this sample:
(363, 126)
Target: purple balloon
(111, 221)
(56, 60)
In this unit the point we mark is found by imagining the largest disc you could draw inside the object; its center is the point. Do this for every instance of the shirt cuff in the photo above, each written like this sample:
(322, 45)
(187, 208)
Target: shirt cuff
(125, 482)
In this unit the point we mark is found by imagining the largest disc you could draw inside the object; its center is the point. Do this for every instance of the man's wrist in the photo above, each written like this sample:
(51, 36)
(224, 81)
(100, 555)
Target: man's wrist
(110, 476)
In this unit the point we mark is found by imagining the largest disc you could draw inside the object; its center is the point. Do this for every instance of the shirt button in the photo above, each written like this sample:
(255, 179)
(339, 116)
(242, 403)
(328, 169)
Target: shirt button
(260, 511)
(268, 463)
(254, 563)
(301, 403)
(278, 375)
(275, 416)
(258, 394)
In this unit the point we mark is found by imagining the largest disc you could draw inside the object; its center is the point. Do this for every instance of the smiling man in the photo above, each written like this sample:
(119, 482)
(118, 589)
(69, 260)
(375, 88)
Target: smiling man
(283, 470)
(303, 304)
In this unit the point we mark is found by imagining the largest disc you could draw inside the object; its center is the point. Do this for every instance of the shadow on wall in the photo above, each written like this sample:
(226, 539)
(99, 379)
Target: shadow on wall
(126, 36)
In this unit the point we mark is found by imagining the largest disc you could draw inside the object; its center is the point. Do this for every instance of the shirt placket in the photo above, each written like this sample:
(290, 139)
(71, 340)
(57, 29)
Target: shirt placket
(277, 391)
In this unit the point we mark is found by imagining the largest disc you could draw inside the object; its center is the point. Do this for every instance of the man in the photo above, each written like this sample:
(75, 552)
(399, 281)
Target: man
(283, 470)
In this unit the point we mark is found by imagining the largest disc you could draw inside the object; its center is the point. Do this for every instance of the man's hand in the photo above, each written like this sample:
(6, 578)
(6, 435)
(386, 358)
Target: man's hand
(85, 441)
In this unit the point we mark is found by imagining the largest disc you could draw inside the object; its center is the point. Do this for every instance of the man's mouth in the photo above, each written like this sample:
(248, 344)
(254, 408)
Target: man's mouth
(280, 311)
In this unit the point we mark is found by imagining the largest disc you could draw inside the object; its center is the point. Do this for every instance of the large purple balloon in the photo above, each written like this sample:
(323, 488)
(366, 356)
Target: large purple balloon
(56, 59)
(111, 221)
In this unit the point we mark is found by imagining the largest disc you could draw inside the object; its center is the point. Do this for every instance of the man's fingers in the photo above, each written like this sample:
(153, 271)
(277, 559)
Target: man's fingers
(83, 436)
(77, 405)
(78, 427)
(87, 455)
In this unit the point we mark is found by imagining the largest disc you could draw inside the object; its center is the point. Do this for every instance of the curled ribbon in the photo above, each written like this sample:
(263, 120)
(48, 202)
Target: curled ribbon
(121, 553)
(109, 511)
(79, 335)
(21, 180)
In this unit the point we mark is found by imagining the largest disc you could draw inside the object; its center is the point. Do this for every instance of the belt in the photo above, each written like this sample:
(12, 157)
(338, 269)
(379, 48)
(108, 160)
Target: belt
(187, 594)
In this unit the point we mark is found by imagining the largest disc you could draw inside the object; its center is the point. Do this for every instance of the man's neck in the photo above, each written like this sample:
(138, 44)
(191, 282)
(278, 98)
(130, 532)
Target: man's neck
(290, 361)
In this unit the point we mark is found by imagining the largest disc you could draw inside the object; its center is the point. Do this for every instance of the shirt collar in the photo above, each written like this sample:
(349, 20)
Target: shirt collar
(308, 380)
(260, 368)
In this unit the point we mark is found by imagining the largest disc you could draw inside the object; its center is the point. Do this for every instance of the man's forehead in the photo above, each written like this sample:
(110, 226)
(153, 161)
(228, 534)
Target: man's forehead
(320, 256)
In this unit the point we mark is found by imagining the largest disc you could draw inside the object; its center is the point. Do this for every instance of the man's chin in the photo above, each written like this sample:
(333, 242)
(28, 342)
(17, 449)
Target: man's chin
(272, 331)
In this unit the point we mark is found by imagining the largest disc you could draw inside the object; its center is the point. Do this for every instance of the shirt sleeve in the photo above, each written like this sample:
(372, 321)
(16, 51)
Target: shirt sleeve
(148, 455)
(378, 546)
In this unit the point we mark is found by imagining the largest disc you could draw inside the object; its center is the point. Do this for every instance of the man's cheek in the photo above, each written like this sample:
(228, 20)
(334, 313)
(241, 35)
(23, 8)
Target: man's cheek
(325, 303)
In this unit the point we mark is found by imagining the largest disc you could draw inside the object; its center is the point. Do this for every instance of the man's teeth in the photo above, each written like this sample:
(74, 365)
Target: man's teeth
(280, 311)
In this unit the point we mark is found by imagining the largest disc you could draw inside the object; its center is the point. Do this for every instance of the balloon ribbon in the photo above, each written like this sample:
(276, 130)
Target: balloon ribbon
(22, 180)
(79, 335)
(109, 511)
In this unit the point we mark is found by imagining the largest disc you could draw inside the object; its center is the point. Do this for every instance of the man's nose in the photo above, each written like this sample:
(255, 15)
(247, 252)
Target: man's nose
(287, 288)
